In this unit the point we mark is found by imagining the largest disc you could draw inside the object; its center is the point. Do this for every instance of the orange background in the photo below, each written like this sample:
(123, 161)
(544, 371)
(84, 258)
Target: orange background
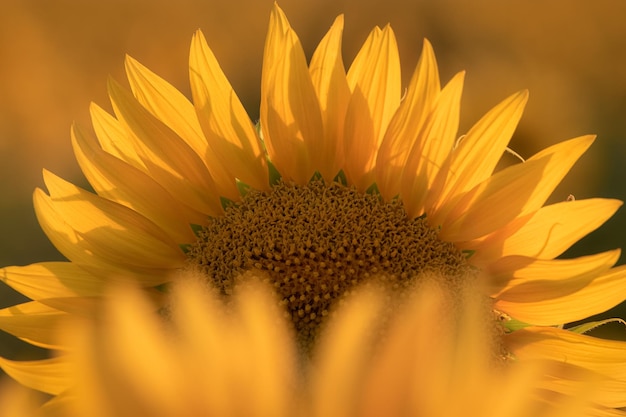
(55, 56)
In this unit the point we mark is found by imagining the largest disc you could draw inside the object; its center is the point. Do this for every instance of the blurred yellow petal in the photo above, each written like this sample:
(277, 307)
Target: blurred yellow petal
(341, 355)
(168, 159)
(51, 279)
(118, 181)
(606, 357)
(33, 322)
(291, 118)
(407, 123)
(51, 376)
(229, 132)
(374, 79)
(328, 75)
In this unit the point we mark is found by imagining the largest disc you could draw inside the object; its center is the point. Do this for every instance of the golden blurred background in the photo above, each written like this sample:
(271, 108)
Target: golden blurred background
(56, 55)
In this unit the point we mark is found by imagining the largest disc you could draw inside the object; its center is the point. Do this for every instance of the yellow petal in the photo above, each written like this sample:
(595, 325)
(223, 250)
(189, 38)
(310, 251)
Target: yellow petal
(551, 302)
(114, 138)
(232, 139)
(51, 279)
(515, 191)
(51, 376)
(118, 181)
(492, 204)
(516, 270)
(431, 147)
(33, 322)
(374, 78)
(291, 118)
(403, 130)
(171, 107)
(545, 234)
(328, 75)
(341, 358)
(605, 357)
(477, 154)
(168, 159)
(77, 221)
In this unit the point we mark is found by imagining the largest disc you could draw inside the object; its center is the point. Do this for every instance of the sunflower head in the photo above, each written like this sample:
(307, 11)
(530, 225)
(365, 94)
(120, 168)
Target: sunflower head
(345, 182)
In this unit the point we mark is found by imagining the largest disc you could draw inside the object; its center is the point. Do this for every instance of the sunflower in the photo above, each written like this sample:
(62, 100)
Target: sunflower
(342, 182)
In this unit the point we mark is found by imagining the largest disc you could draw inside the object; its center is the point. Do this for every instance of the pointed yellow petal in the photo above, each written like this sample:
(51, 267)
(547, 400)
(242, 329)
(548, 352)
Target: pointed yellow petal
(78, 221)
(550, 302)
(562, 156)
(477, 154)
(328, 75)
(374, 78)
(113, 137)
(516, 270)
(407, 122)
(431, 148)
(510, 193)
(232, 139)
(118, 181)
(51, 376)
(168, 105)
(51, 279)
(33, 322)
(168, 159)
(606, 357)
(545, 234)
(493, 203)
(291, 118)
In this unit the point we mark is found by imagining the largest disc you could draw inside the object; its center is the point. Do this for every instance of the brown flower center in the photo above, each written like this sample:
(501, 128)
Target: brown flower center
(317, 242)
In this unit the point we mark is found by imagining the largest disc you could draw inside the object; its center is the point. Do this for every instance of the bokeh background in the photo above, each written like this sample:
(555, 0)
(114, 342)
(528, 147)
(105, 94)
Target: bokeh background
(55, 57)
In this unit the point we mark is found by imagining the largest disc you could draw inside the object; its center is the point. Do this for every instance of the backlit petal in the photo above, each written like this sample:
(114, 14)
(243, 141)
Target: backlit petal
(431, 148)
(291, 119)
(374, 78)
(100, 232)
(545, 234)
(168, 159)
(477, 154)
(118, 181)
(171, 107)
(232, 139)
(549, 302)
(331, 85)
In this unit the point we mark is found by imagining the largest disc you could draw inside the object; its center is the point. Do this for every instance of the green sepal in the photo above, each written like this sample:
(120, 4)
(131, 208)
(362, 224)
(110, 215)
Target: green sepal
(316, 177)
(196, 229)
(586, 327)
(512, 325)
(273, 173)
(242, 187)
(185, 247)
(226, 202)
(468, 253)
(373, 189)
(341, 178)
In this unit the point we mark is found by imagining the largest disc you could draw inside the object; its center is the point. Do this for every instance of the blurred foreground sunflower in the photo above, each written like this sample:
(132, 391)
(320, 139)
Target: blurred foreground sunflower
(342, 183)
